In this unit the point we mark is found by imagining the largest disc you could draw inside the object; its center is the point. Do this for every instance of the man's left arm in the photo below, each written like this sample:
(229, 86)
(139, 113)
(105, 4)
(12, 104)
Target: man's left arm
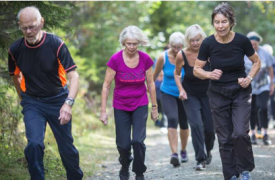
(66, 110)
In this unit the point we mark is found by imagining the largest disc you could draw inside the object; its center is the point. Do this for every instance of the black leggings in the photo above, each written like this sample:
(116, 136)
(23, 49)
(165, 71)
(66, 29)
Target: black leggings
(259, 110)
(174, 110)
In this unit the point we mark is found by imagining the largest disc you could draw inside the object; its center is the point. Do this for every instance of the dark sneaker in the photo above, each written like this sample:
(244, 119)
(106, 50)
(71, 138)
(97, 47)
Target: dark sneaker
(140, 177)
(175, 160)
(184, 157)
(200, 166)
(253, 139)
(124, 174)
(245, 176)
(266, 140)
(233, 178)
(208, 159)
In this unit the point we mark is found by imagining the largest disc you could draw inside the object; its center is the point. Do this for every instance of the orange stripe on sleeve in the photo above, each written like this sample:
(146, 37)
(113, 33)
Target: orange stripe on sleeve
(23, 83)
(62, 74)
(17, 71)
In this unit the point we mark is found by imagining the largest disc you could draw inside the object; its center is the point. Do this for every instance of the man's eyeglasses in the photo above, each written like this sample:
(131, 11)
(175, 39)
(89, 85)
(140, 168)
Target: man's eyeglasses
(31, 28)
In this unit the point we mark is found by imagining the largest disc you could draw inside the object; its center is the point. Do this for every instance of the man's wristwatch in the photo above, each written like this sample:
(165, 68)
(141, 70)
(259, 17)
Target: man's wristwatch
(154, 105)
(70, 101)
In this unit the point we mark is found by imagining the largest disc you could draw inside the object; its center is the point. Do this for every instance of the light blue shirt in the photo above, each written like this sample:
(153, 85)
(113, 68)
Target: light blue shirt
(169, 85)
(261, 81)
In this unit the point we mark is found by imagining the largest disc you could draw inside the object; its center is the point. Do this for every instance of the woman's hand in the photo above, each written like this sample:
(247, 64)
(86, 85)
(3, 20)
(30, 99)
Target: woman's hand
(103, 117)
(215, 74)
(183, 95)
(271, 91)
(244, 82)
(154, 114)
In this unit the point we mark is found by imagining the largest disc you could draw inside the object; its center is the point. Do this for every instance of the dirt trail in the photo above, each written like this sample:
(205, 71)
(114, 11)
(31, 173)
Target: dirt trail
(158, 167)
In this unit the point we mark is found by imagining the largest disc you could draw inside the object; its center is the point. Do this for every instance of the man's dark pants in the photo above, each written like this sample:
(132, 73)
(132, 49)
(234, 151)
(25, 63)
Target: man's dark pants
(231, 114)
(125, 120)
(37, 113)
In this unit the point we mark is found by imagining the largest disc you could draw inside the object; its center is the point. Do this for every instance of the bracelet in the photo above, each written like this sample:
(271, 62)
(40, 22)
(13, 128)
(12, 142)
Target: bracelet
(154, 105)
(249, 77)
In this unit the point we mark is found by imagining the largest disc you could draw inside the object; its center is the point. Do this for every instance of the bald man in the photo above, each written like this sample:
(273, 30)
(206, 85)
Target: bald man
(39, 63)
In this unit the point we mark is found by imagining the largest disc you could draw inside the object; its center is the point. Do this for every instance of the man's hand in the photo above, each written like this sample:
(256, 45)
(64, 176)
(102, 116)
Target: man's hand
(65, 114)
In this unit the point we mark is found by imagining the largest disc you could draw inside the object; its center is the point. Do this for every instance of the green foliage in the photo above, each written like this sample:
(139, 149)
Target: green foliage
(98, 25)
(11, 136)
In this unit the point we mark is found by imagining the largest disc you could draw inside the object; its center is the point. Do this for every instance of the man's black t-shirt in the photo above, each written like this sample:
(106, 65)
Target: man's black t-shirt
(43, 65)
(227, 57)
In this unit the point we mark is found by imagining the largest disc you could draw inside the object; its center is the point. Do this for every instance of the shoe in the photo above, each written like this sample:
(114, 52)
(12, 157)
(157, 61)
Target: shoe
(140, 177)
(184, 157)
(124, 173)
(253, 139)
(259, 134)
(208, 159)
(233, 178)
(245, 176)
(200, 166)
(175, 160)
(266, 140)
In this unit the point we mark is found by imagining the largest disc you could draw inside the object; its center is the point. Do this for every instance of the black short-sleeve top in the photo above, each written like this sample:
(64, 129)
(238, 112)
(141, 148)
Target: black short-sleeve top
(193, 85)
(227, 57)
(43, 66)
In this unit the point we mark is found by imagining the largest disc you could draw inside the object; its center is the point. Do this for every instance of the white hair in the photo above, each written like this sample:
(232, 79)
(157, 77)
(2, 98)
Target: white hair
(268, 48)
(191, 32)
(176, 38)
(253, 33)
(35, 10)
(133, 32)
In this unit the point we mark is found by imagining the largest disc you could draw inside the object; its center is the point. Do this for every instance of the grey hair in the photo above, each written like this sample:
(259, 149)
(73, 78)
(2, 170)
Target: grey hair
(268, 48)
(176, 38)
(191, 32)
(35, 10)
(253, 33)
(133, 32)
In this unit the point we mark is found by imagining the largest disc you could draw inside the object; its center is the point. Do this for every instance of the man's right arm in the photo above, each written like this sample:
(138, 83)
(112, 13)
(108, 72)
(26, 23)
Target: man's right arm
(16, 81)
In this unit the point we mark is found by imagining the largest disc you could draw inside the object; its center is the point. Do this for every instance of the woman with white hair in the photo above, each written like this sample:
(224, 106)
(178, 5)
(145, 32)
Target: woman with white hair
(172, 105)
(195, 100)
(262, 89)
(130, 68)
(269, 49)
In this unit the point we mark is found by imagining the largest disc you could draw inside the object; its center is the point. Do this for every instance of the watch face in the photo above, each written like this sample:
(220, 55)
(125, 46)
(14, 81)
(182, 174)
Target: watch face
(69, 102)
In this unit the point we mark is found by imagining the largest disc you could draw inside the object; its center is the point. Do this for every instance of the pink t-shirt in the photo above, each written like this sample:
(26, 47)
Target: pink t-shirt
(130, 89)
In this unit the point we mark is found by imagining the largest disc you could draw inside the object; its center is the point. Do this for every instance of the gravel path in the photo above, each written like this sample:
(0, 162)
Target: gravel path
(159, 168)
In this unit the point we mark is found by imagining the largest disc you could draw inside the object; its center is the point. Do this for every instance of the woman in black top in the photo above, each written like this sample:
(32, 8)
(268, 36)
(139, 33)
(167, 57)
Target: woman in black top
(193, 92)
(229, 90)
